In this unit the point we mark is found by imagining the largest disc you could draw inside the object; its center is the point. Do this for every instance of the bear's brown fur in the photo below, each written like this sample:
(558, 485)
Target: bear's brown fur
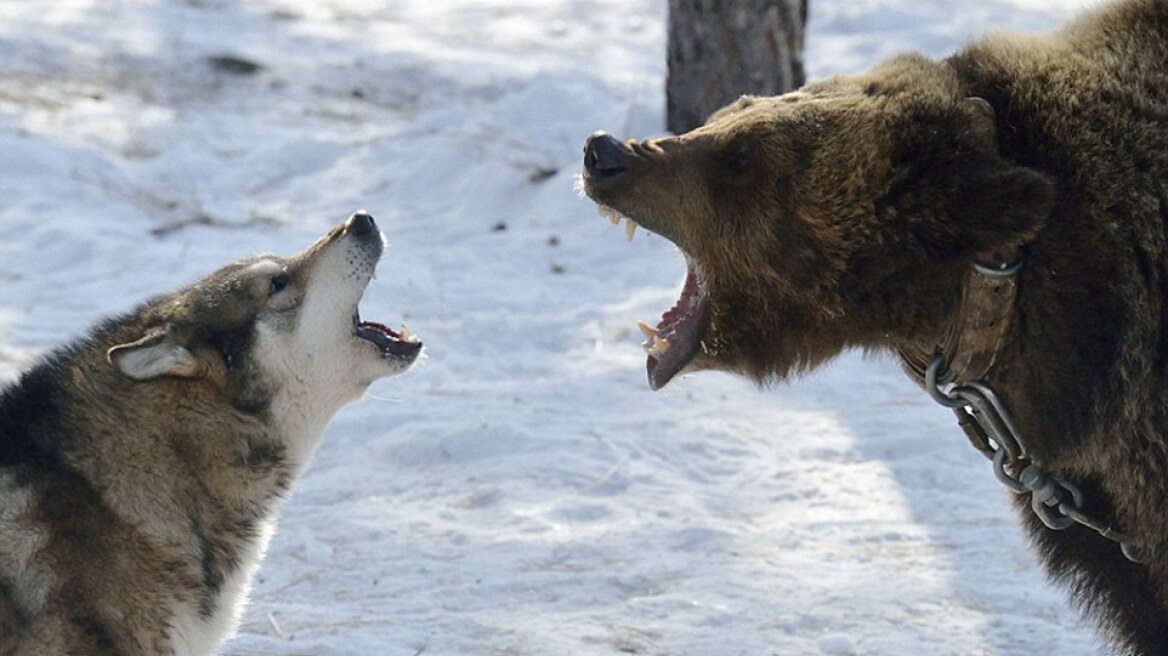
(848, 213)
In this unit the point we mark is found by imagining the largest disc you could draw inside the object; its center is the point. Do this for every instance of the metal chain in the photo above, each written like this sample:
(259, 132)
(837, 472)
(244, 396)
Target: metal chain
(1057, 502)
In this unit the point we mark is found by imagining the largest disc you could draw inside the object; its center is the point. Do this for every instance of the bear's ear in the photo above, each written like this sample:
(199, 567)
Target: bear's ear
(979, 115)
(159, 353)
(1003, 202)
(1006, 204)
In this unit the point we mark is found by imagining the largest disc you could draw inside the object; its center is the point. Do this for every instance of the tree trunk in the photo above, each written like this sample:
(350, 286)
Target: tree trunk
(720, 50)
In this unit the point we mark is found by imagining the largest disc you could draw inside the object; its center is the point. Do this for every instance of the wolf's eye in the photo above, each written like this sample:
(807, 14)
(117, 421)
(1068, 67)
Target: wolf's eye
(277, 284)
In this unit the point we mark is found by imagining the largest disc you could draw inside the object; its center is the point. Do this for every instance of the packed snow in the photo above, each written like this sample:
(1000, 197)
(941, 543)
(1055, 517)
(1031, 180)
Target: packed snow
(522, 492)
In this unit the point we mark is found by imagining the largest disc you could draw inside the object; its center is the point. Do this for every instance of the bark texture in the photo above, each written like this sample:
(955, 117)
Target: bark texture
(721, 50)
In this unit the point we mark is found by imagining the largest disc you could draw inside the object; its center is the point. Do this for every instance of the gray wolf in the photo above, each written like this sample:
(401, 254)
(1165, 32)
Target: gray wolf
(142, 467)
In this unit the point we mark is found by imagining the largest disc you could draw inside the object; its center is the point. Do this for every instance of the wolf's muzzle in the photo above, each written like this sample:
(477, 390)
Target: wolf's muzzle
(360, 224)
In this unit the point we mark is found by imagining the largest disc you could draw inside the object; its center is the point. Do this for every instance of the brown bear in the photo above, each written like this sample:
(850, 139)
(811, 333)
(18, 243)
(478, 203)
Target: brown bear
(996, 218)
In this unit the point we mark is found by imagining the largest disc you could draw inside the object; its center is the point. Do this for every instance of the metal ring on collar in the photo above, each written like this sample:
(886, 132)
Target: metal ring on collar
(1004, 271)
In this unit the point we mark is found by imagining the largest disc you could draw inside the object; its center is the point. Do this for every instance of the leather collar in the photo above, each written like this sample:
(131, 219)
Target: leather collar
(983, 319)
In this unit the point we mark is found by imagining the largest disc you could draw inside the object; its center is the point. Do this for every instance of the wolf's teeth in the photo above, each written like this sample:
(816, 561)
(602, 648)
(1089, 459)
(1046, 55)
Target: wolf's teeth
(648, 331)
(403, 333)
(630, 228)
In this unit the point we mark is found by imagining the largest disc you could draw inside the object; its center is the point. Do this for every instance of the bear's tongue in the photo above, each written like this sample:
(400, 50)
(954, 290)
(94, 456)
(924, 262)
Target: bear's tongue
(678, 336)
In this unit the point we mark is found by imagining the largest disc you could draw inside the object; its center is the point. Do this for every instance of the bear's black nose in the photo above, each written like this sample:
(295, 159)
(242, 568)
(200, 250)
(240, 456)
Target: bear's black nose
(360, 224)
(604, 156)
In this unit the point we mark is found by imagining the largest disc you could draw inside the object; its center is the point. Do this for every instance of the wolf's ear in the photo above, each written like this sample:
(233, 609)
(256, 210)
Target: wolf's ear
(155, 355)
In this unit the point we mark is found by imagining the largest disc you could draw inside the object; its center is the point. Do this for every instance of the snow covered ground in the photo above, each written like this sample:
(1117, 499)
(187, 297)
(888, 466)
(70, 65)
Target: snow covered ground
(522, 492)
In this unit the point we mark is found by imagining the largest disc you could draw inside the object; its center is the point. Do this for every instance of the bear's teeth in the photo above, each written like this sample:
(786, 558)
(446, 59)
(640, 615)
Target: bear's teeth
(609, 213)
(630, 228)
(660, 346)
(648, 331)
(655, 346)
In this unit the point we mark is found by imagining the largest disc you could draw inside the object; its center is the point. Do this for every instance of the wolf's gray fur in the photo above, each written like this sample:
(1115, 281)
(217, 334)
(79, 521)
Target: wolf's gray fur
(141, 467)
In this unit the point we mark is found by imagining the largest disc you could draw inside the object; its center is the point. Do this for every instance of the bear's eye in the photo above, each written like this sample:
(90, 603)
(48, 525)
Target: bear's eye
(737, 160)
(277, 284)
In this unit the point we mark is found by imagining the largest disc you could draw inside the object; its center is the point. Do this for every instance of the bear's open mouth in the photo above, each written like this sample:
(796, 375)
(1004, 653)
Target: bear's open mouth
(678, 336)
(676, 340)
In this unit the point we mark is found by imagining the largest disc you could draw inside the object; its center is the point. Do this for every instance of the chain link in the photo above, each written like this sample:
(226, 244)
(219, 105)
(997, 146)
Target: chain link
(983, 417)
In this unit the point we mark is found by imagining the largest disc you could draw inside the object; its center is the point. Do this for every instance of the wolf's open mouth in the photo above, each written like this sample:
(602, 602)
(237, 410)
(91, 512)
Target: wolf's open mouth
(397, 343)
(678, 336)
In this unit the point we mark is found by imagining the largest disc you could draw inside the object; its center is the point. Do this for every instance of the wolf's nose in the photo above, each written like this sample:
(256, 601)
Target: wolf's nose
(360, 224)
(604, 156)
